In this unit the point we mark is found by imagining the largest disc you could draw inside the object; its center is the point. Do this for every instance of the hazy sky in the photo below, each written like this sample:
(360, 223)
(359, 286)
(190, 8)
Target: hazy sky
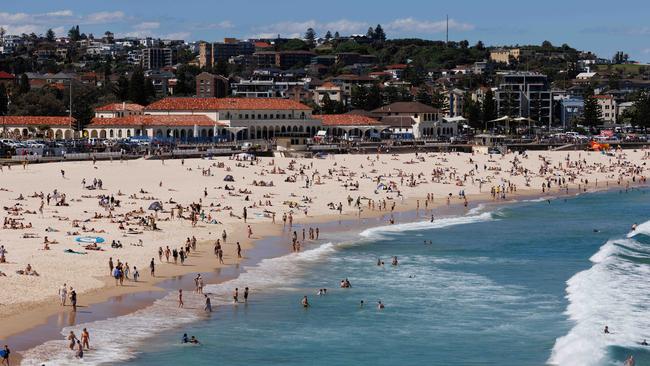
(600, 26)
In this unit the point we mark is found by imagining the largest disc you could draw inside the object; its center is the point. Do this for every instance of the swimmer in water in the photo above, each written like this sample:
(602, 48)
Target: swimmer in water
(606, 331)
(380, 306)
(361, 304)
(644, 343)
(432, 218)
(305, 302)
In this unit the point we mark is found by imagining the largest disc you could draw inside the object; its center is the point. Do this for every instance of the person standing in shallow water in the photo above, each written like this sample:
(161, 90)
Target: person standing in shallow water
(208, 304)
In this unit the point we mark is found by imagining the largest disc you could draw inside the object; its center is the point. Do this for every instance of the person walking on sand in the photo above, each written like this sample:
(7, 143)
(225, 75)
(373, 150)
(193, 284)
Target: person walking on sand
(63, 294)
(152, 267)
(5, 355)
(73, 299)
(235, 295)
(110, 266)
(238, 250)
(85, 339)
(246, 295)
(180, 298)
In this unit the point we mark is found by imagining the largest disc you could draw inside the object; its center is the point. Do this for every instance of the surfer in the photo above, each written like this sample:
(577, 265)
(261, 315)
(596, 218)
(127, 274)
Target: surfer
(606, 331)
(644, 343)
(634, 226)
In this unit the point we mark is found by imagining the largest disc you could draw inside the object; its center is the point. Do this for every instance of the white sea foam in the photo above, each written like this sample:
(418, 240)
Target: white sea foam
(375, 233)
(113, 339)
(476, 210)
(613, 292)
(116, 339)
(641, 229)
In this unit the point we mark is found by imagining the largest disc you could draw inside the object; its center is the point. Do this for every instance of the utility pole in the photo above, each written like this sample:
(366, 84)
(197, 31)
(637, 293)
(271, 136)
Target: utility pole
(447, 37)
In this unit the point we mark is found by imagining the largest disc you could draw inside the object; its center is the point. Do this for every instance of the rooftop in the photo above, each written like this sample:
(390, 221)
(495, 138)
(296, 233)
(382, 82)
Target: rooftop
(406, 107)
(155, 120)
(346, 120)
(37, 121)
(214, 104)
(120, 107)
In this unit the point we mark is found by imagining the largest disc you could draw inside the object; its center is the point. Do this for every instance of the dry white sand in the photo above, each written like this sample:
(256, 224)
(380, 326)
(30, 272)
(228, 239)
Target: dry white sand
(413, 176)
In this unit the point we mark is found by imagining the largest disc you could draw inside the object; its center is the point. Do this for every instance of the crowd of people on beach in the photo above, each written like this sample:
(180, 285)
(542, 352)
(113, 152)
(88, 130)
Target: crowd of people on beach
(249, 191)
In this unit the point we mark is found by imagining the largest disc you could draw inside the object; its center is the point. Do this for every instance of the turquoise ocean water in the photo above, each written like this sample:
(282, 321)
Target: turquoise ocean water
(532, 283)
(528, 284)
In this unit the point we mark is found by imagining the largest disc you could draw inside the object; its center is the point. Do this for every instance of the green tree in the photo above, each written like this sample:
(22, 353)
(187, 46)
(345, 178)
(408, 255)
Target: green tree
(379, 34)
(137, 92)
(391, 95)
(310, 37)
(37, 102)
(375, 99)
(641, 110)
(370, 34)
(49, 35)
(423, 97)
(221, 68)
(591, 112)
(23, 84)
(74, 34)
(328, 36)
(149, 91)
(359, 97)
(440, 101)
(327, 105)
(122, 88)
(337, 35)
(4, 100)
(472, 111)
(488, 107)
(84, 97)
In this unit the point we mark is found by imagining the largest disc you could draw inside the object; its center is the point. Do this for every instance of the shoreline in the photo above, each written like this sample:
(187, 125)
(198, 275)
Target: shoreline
(129, 300)
(33, 323)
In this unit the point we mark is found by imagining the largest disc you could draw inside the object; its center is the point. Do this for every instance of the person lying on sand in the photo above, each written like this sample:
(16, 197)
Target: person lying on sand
(28, 271)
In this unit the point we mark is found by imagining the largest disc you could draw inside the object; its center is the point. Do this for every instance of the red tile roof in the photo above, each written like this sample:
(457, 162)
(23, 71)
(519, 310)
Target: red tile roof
(262, 45)
(120, 107)
(36, 121)
(346, 120)
(213, 104)
(155, 120)
(6, 75)
(396, 67)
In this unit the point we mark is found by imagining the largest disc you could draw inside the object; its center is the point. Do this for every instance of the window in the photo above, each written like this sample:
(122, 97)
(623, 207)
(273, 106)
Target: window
(240, 116)
(246, 116)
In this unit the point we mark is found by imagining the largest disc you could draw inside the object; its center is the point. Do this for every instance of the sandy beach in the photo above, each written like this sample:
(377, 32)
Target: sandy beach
(266, 189)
